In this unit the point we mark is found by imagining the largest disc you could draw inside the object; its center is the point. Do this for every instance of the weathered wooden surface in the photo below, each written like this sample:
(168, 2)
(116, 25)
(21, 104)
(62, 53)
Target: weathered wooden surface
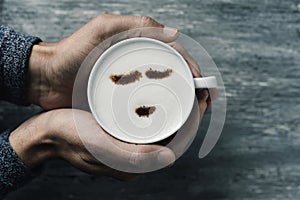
(256, 46)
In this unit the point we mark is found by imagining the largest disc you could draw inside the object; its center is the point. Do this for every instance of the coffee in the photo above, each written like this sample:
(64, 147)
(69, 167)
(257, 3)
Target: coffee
(141, 90)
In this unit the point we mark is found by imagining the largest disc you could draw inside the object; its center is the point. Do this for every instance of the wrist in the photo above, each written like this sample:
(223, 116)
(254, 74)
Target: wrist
(40, 62)
(32, 141)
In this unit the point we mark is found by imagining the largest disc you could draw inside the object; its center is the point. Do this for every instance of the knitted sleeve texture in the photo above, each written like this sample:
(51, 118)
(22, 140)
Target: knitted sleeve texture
(15, 49)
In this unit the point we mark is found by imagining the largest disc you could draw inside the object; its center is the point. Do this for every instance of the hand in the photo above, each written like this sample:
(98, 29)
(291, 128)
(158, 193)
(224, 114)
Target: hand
(52, 70)
(195, 69)
(53, 66)
(187, 132)
(54, 134)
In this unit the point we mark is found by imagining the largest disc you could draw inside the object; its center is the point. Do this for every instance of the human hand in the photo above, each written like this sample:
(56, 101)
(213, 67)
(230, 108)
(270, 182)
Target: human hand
(57, 137)
(52, 84)
(54, 134)
(204, 97)
(53, 66)
(212, 93)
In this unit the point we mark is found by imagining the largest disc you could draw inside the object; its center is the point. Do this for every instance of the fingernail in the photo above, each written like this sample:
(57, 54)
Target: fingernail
(165, 158)
(206, 94)
(170, 31)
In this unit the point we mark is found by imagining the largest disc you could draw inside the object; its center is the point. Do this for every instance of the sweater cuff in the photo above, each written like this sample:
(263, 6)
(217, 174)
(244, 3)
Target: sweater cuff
(14, 56)
(13, 172)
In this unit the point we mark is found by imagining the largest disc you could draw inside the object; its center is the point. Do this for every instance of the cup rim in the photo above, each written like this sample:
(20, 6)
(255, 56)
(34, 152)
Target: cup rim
(92, 77)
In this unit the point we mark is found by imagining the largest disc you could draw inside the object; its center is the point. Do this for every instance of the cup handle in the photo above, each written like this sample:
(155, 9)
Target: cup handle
(206, 82)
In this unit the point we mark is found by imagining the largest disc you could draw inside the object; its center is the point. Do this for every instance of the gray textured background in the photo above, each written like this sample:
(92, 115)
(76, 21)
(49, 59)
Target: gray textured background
(255, 44)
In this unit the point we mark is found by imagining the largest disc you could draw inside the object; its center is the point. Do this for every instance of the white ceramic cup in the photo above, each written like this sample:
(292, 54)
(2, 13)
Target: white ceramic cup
(141, 90)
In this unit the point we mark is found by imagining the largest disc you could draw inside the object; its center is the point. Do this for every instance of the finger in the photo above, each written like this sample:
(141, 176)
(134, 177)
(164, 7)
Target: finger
(104, 149)
(97, 168)
(127, 22)
(126, 157)
(202, 97)
(213, 94)
(134, 158)
(133, 26)
(186, 134)
(194, 67)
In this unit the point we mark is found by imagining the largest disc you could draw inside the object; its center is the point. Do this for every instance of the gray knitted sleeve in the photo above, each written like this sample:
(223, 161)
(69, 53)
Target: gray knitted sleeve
(13, 172)
(15, 50)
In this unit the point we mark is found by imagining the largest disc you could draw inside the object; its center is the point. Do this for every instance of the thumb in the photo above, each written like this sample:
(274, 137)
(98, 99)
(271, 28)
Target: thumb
(134, 158)
(132, 26)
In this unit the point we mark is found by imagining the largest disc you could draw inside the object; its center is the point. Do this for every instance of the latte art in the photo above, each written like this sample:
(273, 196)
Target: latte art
(145, 111)
(141, 90)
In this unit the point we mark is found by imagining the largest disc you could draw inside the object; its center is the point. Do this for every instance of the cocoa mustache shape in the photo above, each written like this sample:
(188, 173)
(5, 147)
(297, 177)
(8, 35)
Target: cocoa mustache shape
(156, 74)
(124, 79)
(133, 76)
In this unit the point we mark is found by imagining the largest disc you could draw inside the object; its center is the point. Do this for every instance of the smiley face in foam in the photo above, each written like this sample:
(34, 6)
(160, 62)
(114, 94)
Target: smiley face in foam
(142, 91)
